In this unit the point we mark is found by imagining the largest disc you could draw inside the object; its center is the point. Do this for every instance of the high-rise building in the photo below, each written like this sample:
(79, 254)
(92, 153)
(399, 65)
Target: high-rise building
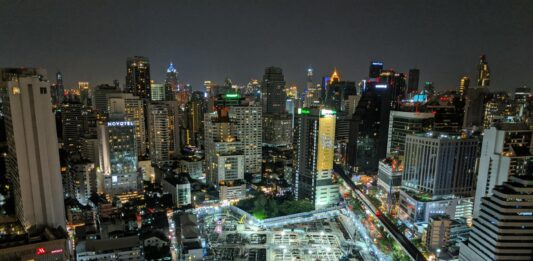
(72, 125)
(403, 123)
(195, 110)
(483, 72)
(82, 180)
(369, 128)
(100, 100)
(247, 119)
(171, 83)
(375, 69)
(507, 150)
(312, 93)
(498, 105)
(413, 80)
(463, 85)
(272, 91)
(439, 164)
(85, 93)
(448, 111)
(180, 189)
(57, 90)
(277, 130)
(126, 107)
(118, 157)
(224, 155)
(32, 160)
(158, 124)
(522, 98)
(314, 157)
(158, 91)
(503, 229)
(138, 76)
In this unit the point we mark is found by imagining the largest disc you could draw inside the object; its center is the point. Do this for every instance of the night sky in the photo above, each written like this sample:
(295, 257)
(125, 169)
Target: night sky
(89, 40)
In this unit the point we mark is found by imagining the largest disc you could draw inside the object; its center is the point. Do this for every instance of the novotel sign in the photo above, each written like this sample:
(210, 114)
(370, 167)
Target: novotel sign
(119, 123)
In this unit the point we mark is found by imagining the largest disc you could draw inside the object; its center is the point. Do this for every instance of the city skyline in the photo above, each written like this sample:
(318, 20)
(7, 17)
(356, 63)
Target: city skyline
(443, 41)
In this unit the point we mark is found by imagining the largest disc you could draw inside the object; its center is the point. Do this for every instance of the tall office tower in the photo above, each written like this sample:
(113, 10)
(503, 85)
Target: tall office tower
(498, 105)
(89, 149)
(311, 93)
(272, 91)
(196, 108)
(85, 93)
(126, 107)
(171, 83)
(253, 89)
(158, 124)
(72, 125)
(100, 100)
(439, 164)
(503, 229)
(138, 76)
(449, 112)
(82, 177)
(523, 98)
(397, 85)
(369, 129)
(118, 159)
(337, 93)
(32, 160)
(413, 80)
(375, 69)
(401, 124)
(247, 119)
(89, 122)
(507, 150)
(464, 83)
(157, 91)
(224, 156)
(314, 157)
(57, 90)
(483, 72)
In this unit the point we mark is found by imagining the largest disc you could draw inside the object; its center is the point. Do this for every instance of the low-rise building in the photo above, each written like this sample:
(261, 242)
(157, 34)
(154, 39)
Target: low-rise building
(125, 248)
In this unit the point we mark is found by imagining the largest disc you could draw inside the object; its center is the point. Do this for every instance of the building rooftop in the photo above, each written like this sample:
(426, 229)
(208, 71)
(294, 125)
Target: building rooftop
(108, 244)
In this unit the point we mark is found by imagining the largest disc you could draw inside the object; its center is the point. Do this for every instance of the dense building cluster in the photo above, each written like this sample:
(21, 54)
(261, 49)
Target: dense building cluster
(138, 171)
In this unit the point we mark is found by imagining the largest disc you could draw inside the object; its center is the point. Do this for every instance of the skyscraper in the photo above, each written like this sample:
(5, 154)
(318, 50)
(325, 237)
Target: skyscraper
(503, 229)
(32, 160)
(138, 76)
(369, 127)
(118, 157)
(402, 123)
(224, 155)
(158, 124)
(463, 85)
(413, 80)
(314, 157)
(196, 108)
(272, 91)
(439, 164)
(85, 93)
(100, 99)
(57, 90)
(157, 91)
(72, 124)
(507, 150)
(483, 72)
(126, 107)
(171, 83)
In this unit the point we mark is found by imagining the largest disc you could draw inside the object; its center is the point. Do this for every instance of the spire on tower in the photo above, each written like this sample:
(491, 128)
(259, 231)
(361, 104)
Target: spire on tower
(171, 68)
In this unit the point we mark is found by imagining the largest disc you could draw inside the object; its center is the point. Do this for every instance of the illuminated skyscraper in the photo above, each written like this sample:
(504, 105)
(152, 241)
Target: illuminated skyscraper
(503, 229)
(158, 91)
(32, 160)
(171, 83)
(402, 123)
(100, 98)
(158, 124)
(314, 157)
(126, 107)
(85, 93)
(57, 90)
(463, 85)
(138, 76)
(224, 155)
(118, 156)
(72, 125)
(483, 72)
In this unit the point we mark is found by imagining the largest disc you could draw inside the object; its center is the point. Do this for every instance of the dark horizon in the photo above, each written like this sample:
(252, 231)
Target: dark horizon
(211, 40)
